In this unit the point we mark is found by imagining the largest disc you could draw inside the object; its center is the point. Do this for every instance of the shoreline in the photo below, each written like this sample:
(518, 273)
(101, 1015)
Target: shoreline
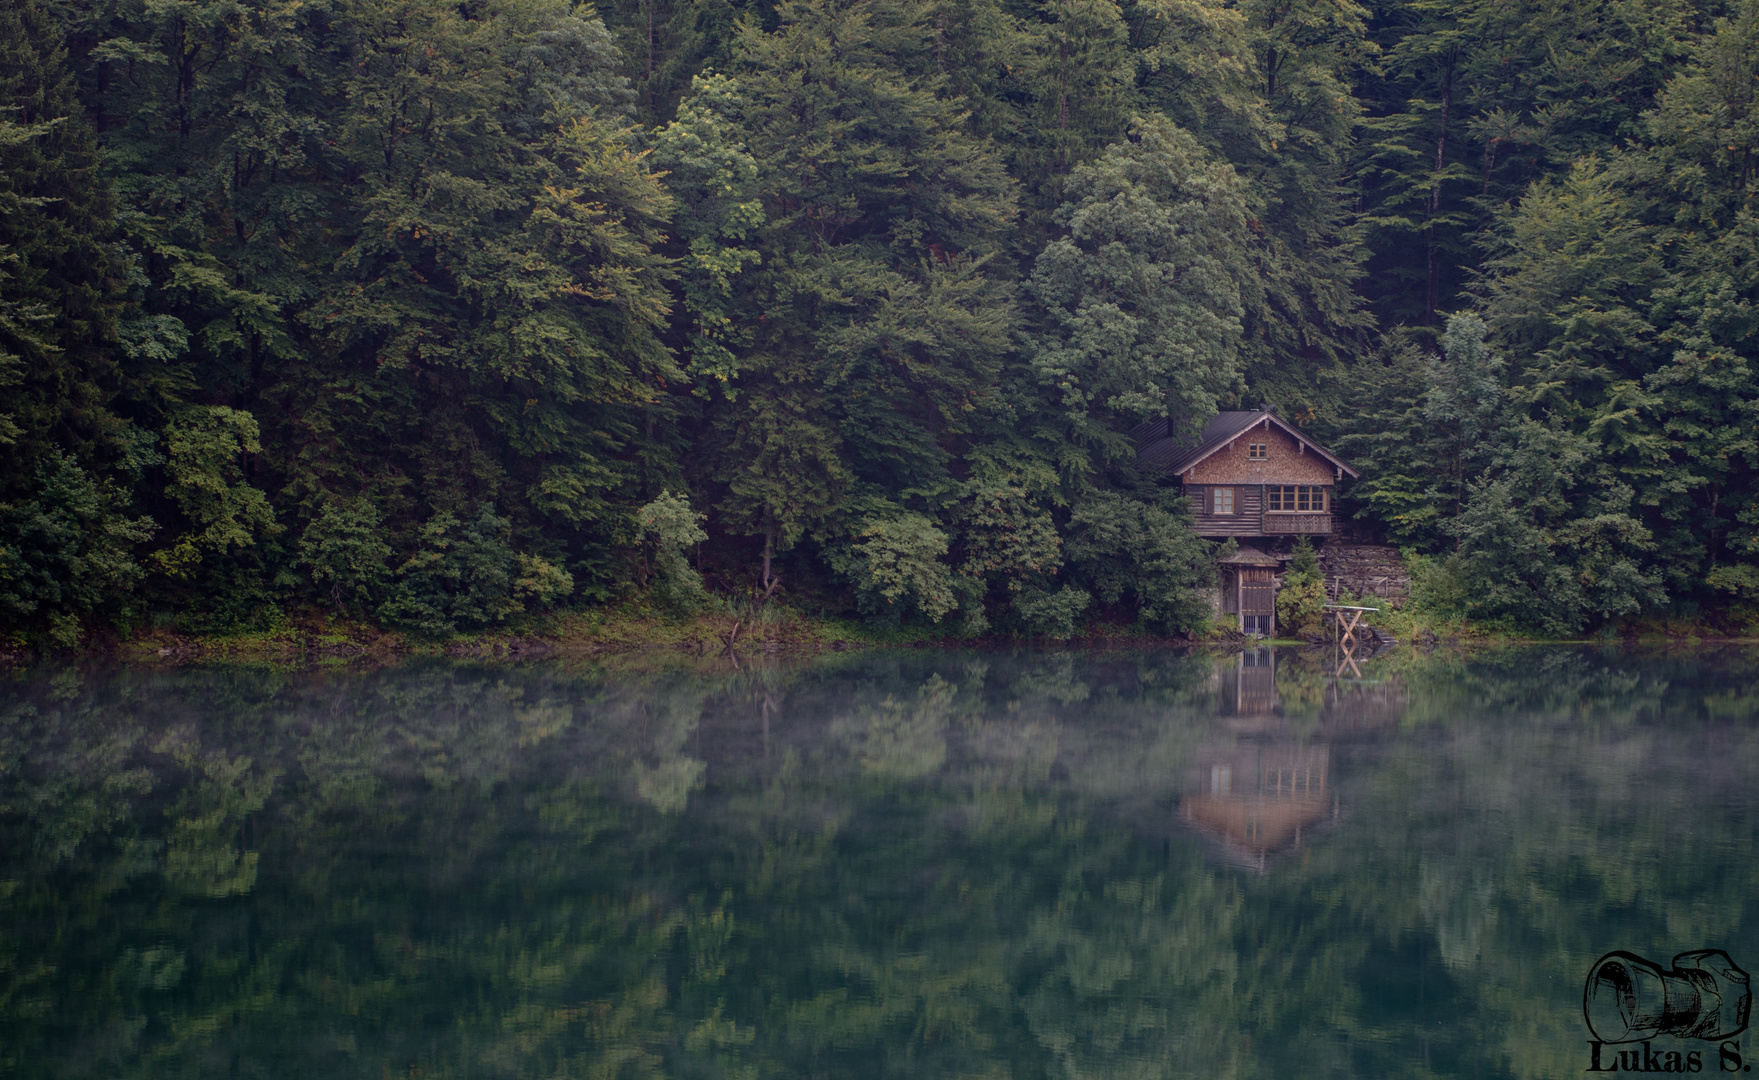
(323, 640)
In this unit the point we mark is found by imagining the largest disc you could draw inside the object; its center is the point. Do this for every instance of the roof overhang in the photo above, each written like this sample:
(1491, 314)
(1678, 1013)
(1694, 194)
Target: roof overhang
(1267, 420)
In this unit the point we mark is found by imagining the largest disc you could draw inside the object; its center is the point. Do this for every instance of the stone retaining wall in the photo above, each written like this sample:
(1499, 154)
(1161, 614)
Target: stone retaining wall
(1365, 570)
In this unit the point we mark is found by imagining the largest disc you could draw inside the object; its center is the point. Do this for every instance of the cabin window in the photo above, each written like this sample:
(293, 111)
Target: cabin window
(1294, 499)
(1221, 500)
(1257, 451)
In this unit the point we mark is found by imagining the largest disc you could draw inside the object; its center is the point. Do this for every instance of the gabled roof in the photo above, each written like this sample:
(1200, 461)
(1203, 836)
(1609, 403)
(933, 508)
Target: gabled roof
(1247, 555)
(1163, 456)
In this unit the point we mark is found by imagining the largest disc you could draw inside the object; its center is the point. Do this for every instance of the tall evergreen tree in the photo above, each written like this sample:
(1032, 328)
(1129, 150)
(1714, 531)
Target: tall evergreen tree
(64, 281)
(67, 538)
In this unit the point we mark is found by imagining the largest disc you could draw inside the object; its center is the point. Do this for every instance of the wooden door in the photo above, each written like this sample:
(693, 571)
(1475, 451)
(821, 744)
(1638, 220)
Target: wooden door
(1258, 598)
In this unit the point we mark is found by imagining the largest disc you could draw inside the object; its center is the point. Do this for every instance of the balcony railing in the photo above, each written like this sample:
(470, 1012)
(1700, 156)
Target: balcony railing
(1276, 524)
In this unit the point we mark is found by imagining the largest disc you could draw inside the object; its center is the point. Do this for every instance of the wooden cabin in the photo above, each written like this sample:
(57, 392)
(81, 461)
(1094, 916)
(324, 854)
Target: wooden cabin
(1248, 474)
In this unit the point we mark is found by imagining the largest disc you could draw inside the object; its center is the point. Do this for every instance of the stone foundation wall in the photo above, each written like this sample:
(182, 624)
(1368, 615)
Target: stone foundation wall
(1365, 570)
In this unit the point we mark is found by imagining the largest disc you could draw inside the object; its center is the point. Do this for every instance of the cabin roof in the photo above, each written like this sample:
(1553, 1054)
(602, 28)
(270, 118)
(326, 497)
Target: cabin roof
(1246, 555)
(1164, 456)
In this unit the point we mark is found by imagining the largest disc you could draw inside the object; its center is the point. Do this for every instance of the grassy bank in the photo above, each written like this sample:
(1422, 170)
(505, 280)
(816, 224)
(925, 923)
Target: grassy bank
(317, 636)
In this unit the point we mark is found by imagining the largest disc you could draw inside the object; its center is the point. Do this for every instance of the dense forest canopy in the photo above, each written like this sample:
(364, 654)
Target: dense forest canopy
(436, 312)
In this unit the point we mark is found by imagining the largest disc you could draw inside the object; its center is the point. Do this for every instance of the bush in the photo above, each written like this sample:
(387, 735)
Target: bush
(467, 575)
(669, 529)
(1123, 548)
(1300, 603)
(66, 552)
(203, 450)
(345, 551)
(1438, 587)
(896, 568)
(1053, 614)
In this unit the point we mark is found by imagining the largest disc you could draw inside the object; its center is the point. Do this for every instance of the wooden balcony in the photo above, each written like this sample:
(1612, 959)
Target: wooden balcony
(1283, 524)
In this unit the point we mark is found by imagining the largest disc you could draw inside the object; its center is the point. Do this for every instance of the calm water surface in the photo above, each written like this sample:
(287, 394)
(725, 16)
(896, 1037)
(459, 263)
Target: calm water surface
(985, 865)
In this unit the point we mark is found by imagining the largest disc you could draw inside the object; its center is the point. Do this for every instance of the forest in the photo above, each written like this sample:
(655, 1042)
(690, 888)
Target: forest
(432, 313)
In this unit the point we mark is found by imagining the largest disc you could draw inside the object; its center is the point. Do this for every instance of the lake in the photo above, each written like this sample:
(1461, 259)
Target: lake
(983, 865)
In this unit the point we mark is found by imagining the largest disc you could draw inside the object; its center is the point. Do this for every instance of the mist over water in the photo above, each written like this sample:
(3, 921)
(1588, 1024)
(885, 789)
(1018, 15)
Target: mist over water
(913, 864)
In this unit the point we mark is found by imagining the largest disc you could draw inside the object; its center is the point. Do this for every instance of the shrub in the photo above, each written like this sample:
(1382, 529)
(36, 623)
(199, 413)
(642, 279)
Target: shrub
(896, 568)
(345, 551)
(1120, 547)
(203, 449)
(669, 529)
(1300, 603)
(66, 551)
(1053, 614)
(467, 575)
(1439, 588)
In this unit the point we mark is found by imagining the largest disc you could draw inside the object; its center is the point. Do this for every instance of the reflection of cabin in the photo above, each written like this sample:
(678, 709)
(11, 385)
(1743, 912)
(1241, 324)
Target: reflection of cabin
(1249, 684)
(1261, 798)
(1248, 474)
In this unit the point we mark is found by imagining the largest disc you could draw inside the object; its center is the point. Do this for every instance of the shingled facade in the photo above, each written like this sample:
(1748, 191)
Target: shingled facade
(1249, 474)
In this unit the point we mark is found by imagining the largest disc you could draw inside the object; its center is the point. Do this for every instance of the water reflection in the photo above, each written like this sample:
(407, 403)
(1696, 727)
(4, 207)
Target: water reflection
(899, 864)
(1260, 796)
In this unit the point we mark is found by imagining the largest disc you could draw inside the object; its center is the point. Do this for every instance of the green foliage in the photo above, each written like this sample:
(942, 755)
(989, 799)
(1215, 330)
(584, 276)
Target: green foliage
(204, 451)
(1300, 602)
(1121, 549)
(1429, 425)
(466, 575)
(1144, 295)
(715, 179)
(1051, 614)
(67, 552)
(875, 322)
(1547, 540)
(1740, 580)
(60, 273)
(797, 261)
(669, 528)
(345, 552)
(896, 565)
(1475, 100)
(1439, 588)
(1010, 536)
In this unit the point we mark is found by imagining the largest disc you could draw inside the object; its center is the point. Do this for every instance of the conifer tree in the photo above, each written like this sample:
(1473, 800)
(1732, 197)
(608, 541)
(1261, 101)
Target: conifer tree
(63, 280)
(68, 541)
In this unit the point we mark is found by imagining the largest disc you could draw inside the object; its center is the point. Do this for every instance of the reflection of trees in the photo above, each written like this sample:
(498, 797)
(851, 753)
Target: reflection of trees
(898, 865)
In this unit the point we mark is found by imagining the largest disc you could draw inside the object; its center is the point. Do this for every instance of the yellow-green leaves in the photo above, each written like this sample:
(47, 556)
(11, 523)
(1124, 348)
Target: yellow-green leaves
(204, 456)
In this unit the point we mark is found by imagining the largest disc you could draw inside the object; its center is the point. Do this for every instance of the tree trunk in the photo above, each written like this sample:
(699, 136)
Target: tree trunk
(770, 581)
(1432, 296)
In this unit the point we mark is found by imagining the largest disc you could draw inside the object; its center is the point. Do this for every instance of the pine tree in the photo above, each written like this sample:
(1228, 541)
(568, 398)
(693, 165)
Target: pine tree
(63, 281)
(67, 538)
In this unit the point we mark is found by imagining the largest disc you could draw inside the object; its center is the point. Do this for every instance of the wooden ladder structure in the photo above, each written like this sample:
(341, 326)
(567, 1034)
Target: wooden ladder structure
(1346, 619)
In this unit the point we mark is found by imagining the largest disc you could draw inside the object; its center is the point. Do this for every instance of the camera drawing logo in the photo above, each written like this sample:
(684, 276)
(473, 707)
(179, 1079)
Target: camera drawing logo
(1629, 1002)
